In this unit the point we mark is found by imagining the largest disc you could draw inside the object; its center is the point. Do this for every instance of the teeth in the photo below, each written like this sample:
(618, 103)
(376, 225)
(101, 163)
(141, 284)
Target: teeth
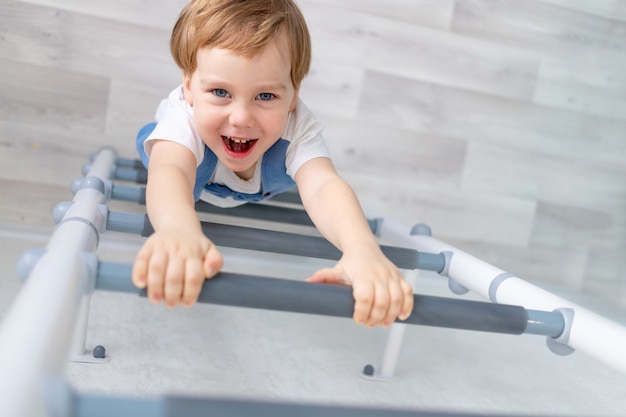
(236, 140)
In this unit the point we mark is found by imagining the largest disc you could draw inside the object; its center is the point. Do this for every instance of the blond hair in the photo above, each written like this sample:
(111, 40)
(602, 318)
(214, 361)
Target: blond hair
(244, 27)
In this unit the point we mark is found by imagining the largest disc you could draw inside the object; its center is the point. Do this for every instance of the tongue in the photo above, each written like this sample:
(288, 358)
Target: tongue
(239, 146)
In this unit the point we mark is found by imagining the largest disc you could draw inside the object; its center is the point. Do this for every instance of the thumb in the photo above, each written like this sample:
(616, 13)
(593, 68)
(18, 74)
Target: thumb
(213, 262)
(329, 276)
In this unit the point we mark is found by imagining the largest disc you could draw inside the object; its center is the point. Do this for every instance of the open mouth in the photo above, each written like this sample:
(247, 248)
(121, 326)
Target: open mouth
(238, 145)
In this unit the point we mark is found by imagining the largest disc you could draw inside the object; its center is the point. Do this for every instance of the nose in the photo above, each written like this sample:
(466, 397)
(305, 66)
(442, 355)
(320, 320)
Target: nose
(241, 115)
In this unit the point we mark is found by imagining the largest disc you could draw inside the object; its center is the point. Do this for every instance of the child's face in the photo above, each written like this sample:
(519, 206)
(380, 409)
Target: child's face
(241, 105)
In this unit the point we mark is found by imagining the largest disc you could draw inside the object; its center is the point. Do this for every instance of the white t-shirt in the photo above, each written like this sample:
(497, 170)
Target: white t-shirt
(175, 123)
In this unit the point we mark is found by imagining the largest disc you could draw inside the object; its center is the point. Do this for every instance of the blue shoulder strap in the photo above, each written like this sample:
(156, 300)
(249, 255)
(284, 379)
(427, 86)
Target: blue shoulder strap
(142, 135)
(274, 178)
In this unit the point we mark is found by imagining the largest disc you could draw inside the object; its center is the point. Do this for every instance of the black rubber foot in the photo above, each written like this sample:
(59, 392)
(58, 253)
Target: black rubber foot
(99, 352)
(368, 370)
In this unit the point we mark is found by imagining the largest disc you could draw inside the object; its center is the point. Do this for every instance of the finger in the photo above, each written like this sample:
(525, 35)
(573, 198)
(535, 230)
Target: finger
(408, 300)
(156, 274)
(380, 305)
(212, 263)
(396, 302)
(174, 277)
(140, 269)
(329, 276)
(194, 278)
(363, 294)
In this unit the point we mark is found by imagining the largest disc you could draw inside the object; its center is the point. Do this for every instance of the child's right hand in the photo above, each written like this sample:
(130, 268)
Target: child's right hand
(173, 265)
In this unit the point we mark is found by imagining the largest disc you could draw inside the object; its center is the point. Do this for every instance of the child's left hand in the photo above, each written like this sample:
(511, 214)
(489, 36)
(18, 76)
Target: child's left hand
(380, 292)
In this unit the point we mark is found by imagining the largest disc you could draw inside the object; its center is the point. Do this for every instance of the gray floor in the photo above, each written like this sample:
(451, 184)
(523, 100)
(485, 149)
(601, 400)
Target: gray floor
(255, 354)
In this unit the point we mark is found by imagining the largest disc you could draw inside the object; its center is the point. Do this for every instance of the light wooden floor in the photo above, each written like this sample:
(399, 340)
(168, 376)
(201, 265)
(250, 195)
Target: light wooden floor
(501, 124)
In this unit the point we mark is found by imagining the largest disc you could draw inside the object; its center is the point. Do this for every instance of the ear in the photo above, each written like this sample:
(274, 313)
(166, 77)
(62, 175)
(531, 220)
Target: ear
(292, 106)
(187, 88)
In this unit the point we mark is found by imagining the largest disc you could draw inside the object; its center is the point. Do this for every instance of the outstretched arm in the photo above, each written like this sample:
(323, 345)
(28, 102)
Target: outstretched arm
(176, 259)
(381, 294)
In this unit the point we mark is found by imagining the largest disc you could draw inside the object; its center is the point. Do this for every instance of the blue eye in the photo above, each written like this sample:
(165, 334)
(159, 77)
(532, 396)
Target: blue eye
(266, 96)
(220, 92)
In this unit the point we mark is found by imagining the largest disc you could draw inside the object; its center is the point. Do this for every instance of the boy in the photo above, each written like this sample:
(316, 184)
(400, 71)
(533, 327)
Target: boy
(236, 131)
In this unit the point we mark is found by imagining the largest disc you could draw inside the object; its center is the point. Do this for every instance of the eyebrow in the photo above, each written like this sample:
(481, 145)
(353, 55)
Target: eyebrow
(279, 86)
(270, 86)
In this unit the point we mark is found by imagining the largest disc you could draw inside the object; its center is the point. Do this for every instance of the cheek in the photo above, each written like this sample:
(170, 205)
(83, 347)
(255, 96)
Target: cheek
(277, 123)
(205, 125)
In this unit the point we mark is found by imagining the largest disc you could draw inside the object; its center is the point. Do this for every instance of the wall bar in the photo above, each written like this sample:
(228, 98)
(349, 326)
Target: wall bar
(591, 333)
(241, 290)
(172, 406)
(37, 332)
(277, 242)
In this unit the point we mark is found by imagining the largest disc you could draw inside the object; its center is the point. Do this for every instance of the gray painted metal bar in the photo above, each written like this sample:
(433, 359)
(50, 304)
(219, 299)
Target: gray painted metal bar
(126, 222)
(126, 193)
(130, 163)
(290, 197)
(254, 211)
(311, 246)
(260, 212)
(249, 291)
(264, 212)
(102, 406)
(139, 176)
(278, 242)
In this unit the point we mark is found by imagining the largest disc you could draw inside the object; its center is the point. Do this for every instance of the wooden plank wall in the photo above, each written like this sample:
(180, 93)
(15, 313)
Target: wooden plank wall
(500, 123)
